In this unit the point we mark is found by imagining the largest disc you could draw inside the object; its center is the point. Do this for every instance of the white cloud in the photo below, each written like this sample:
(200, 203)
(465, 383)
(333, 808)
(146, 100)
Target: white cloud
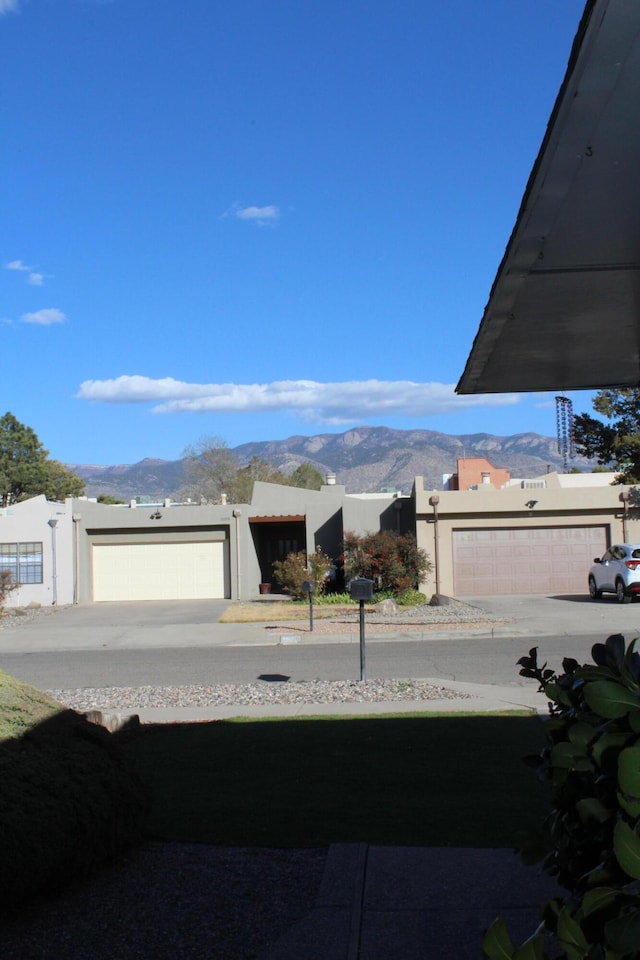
(258, 213)
(36, 279)
(44, 317)
(252, 214)
(8, 6)
(17, 264)
(330, 403)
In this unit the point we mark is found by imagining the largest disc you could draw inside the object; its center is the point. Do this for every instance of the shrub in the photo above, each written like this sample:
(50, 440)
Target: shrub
(590, 840)
(334, 599)
(392, 560)
(69, 802)
(292, 572)
(7, 586)
(411, 598)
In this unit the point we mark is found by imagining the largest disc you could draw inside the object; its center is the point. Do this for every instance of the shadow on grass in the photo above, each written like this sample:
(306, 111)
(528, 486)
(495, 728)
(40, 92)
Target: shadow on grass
(410, 780)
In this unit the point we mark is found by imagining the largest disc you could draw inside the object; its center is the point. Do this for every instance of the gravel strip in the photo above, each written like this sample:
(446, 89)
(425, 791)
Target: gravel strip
(262, 693)
(17, 616)
(423, 617)
(171, 901)
(453, 611)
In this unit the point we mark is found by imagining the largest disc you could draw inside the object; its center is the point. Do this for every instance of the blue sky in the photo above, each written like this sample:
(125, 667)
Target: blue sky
(260, 218)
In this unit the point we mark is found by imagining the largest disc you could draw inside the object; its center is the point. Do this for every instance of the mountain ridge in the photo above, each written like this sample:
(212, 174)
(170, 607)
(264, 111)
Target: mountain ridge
(364, 459)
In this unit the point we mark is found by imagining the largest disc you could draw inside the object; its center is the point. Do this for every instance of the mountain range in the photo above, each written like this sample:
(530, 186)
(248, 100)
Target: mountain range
(365, 460)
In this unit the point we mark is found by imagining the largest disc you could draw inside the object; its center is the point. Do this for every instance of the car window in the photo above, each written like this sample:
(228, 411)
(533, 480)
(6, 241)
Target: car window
(636, 554)
(618, 553)
(608, 555)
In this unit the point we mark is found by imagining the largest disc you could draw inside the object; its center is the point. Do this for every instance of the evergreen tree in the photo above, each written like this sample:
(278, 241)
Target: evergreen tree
(616, 444)
(25, 468)
(307, 477)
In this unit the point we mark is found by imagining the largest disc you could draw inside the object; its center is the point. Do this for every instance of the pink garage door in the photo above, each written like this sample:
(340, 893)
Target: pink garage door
(525, 560)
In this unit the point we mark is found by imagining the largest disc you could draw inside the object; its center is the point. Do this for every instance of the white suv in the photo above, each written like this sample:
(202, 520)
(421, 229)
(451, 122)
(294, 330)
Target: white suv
(617, 571)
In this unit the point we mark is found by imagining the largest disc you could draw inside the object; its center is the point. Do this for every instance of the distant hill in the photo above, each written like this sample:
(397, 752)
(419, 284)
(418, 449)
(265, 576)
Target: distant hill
(365, 460)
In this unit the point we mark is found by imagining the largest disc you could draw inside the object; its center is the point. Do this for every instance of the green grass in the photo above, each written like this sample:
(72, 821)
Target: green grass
(22, 707)
(418, 779)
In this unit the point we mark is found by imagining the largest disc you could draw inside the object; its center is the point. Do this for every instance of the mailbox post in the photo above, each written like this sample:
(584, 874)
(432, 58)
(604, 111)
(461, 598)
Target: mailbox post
(308, 587)
(361, 589)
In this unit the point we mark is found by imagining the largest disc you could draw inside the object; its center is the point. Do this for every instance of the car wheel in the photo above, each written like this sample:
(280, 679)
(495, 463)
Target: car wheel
(594, 593)
(621, 595)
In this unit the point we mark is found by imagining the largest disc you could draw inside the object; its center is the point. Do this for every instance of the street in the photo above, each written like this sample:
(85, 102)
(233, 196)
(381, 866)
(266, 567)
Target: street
(175, 643)
(472, 660)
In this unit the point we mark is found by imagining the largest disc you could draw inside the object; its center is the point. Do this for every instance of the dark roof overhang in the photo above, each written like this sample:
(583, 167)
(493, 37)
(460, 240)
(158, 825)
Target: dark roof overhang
(564, 309)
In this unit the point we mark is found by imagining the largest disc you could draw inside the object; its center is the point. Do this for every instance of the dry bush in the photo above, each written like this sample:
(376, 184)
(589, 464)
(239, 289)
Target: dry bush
(7, 586)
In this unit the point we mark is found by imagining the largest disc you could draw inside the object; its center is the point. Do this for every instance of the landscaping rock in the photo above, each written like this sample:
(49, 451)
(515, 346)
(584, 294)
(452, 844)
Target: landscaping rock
(386, 607)
(441, 600)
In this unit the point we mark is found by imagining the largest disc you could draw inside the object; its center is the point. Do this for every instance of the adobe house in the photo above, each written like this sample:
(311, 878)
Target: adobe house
(81, 551)
(289, 519)
(537, 536)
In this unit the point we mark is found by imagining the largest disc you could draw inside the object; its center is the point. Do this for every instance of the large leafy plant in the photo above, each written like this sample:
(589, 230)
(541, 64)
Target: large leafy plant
(590, 840)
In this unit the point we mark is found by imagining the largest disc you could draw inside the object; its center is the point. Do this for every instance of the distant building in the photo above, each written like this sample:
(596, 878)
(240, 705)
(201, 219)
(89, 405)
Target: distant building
(473, 472)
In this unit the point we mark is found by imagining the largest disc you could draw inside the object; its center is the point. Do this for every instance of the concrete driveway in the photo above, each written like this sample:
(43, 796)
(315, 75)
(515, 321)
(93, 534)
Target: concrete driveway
(149, 624)
(571, 615)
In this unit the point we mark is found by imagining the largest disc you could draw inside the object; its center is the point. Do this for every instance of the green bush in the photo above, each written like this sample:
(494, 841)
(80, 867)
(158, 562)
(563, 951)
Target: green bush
(590, 840)
(69, 802)
(334, 599)
(410, 598)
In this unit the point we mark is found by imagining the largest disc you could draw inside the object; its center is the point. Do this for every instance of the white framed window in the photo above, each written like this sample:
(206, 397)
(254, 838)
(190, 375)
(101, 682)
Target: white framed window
(23, 561)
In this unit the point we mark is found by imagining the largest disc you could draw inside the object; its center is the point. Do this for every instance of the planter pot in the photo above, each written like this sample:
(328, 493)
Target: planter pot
(265, 588)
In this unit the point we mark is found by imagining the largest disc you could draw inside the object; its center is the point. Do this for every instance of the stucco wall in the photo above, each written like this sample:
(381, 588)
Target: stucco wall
(507, 508)
(121, 524)
(28, 521)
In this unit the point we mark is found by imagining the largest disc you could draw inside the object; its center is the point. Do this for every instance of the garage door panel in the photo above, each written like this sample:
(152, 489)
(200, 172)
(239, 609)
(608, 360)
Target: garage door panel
(525, 560)
(160, 571)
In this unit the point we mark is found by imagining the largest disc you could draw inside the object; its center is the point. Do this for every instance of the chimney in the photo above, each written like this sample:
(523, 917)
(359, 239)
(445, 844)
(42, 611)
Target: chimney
(330, 479)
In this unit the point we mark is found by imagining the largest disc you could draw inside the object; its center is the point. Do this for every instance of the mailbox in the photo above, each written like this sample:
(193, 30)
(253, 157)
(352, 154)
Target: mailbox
(361, 589)
(308, 586)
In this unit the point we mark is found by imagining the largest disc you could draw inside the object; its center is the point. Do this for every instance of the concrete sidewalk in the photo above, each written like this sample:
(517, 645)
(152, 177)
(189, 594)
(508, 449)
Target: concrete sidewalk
(415, 903)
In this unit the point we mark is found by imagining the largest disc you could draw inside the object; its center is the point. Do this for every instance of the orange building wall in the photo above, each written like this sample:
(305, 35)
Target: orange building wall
(470, 470)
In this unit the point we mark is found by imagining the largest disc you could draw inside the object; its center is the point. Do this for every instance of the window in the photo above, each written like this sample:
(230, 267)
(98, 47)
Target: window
(23, 561)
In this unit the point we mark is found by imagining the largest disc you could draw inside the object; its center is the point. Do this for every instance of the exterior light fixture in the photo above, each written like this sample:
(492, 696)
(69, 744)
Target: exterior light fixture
(531, 504)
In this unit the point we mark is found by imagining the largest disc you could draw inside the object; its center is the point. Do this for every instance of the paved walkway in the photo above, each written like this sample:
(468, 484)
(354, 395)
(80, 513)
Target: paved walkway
(414, 903)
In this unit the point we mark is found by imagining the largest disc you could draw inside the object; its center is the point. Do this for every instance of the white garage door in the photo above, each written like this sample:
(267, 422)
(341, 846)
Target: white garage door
(160, 571)
(525, 560)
